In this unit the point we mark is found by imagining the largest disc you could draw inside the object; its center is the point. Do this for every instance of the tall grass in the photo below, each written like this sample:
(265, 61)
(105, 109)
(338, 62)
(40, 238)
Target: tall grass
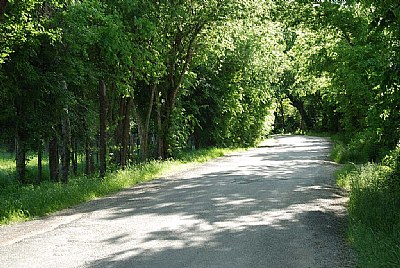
(374, 211)
(359, 148)
(24, 202)
(344, 153)
(8, 174)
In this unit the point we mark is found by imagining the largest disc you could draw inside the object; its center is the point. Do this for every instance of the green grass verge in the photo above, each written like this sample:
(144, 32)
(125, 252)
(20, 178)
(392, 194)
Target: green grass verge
(374, 215)
(344, 153)
(21, 203)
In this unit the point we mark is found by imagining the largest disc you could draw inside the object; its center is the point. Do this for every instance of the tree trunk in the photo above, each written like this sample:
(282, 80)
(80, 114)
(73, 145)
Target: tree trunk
(114, 115)
(103, 125)
(66, 146)
(282, 111)
(11, 146)
(165, 109)
(20, 145)
(20, 156)
(89, 159)
(177, 69)
(123, 131)
(299, 105)
(144, 143)
(143, 117)
(164, 135)
(75, 157)
(119, 132)
(54, 159)
(126, 129)
(40, 162)
(180, 58)
(161, 142)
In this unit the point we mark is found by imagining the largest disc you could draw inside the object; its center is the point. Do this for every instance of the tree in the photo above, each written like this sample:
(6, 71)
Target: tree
(99, 49)
(143, 19)
(23, 41)
(182, 25)
(232, 97)
(358, 56)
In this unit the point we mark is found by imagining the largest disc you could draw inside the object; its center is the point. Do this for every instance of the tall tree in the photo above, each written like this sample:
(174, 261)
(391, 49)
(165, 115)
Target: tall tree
(231, 98)
(98, 50)
(182, 24)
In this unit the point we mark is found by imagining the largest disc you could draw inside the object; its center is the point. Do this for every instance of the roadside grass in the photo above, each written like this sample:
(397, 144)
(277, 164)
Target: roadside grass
(343, 153)
(7, 169)
(8, 174)
(374, 215)
(25, 202)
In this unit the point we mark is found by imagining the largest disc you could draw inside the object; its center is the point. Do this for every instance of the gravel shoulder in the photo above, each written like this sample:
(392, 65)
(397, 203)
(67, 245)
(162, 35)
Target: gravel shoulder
(272, 206)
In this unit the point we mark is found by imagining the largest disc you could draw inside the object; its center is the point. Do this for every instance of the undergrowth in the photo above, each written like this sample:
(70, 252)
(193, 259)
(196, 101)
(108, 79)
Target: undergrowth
(374, 192)
(24, 202)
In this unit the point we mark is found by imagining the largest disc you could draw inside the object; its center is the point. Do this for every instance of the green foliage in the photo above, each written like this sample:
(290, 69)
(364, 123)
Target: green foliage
(373, 210)
(360, 148)
(364, 96)
(53, 54)
(341, 68)
(183, 126)
(23, 22)
(232, 97)
(375, 249)
(370, 198)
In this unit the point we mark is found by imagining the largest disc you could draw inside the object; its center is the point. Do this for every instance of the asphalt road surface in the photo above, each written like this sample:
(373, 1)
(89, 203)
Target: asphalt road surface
(273, 206)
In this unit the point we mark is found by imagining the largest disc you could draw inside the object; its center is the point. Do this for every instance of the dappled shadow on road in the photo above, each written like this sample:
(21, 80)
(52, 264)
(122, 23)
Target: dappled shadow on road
(250, 246)
(268, 207)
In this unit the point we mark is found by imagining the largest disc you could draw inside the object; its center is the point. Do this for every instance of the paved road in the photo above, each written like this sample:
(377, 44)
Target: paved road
(273, 206)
